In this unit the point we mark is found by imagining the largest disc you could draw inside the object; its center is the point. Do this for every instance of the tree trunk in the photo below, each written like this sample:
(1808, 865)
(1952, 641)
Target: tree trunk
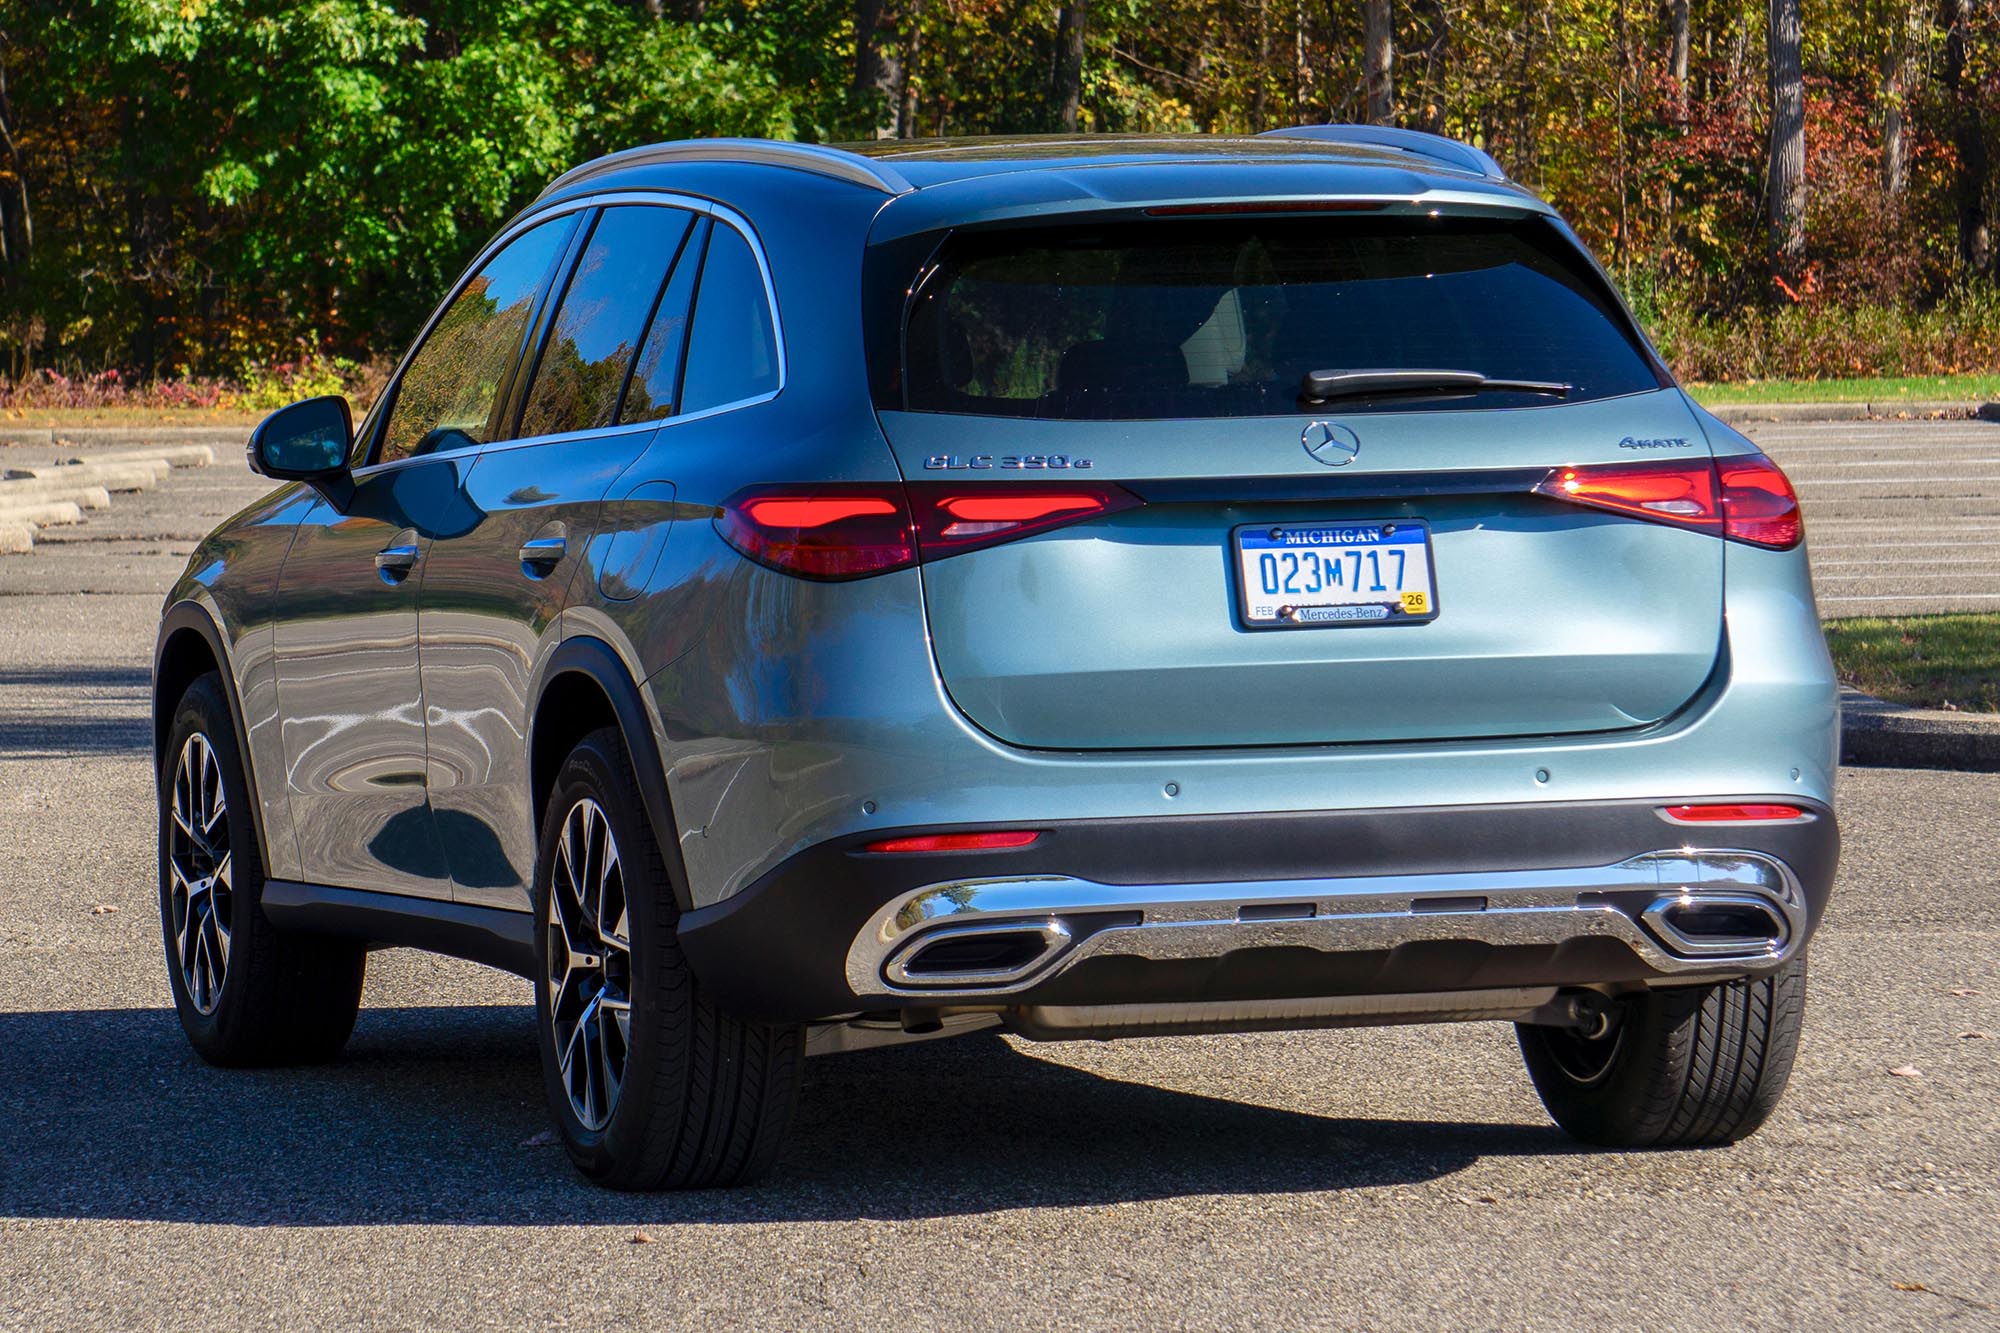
(1678, 61)
(17, 221)
(1786, 181)
(906, 83)
(1895, 91)
(1378, 57)
(1258, 93)
(1070, 24)
(1975, 160)
(876, 73)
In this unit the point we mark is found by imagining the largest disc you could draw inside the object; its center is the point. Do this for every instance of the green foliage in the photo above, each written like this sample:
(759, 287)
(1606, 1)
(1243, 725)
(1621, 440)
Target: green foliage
(208, 177)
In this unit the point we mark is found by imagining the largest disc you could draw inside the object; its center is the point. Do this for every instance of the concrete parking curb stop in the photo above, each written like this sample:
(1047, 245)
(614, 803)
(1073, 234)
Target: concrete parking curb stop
(1877, 734)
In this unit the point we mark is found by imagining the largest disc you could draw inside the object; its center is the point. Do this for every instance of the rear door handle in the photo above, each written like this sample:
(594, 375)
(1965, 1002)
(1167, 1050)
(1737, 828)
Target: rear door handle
(541, 555)
(394, 562)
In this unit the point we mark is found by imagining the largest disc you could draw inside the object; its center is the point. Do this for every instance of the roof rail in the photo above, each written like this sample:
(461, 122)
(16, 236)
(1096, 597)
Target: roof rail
(1449, 152)
(821, 161)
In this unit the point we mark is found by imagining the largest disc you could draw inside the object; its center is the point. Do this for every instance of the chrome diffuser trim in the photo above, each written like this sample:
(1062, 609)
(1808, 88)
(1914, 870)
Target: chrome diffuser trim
(1339, 915)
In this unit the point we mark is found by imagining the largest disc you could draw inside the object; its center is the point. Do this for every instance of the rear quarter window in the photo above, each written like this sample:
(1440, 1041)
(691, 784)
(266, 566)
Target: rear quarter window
(1224, 318)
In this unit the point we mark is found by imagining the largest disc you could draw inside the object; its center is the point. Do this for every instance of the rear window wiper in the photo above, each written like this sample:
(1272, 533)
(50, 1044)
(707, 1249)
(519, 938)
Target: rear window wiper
(1321, 386)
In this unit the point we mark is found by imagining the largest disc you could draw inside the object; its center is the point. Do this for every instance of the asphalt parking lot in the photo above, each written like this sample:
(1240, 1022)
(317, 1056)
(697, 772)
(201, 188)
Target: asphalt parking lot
(1394, 1178)
(1903, 517)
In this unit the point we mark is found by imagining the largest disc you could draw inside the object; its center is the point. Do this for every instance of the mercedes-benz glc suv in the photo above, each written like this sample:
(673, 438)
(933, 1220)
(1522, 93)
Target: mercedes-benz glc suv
(792, 599)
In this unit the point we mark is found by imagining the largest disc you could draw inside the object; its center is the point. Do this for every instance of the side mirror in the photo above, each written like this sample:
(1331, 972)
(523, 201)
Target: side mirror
(308, 441)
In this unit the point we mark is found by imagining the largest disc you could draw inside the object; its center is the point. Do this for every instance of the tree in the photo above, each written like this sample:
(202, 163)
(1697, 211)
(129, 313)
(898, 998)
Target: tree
(1968, 137)
(1070, 26)
(1378, 57)
(1785, 178)
(876, 72)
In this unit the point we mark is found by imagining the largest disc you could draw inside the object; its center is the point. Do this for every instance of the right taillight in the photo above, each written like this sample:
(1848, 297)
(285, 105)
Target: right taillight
(1758, 504)
(1746, 499)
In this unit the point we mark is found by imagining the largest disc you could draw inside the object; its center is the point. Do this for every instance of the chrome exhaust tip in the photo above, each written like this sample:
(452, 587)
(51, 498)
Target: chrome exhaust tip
(1705, 924)
(992, 953)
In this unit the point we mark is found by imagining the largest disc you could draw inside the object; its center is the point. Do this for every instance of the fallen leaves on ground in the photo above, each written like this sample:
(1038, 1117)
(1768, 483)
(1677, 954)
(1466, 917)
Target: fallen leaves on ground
(1906, 1071)
(541, 1140)
(1974, 1035)
(1909, 1286)
(1965, 990)
(641, 1238)
(102, 909)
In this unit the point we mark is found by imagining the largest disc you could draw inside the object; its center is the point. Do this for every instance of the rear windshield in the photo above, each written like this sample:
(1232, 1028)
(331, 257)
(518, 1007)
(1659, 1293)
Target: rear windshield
(1224, 318)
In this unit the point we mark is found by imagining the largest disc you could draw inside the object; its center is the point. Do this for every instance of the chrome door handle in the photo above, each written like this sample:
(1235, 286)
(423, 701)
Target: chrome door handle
(541, 555)
(393, 562)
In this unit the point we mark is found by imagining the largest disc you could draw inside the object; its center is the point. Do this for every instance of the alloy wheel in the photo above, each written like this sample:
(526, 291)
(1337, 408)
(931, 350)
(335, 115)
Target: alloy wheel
(589, 964)
(200, 885)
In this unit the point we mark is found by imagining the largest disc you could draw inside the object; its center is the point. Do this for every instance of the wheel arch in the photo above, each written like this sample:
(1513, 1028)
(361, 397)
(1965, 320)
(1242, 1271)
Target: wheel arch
(583, 686)
(190, 644)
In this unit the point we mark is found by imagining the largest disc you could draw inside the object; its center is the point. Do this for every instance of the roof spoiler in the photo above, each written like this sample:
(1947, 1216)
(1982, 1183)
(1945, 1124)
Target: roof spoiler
(1446, 152)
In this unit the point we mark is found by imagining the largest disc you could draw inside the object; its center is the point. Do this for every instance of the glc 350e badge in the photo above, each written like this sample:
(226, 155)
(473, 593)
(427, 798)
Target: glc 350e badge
(1010, 462)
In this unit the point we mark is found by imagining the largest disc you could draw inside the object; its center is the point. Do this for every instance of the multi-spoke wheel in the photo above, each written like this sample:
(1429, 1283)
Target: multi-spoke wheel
(650, 1084)
(246, 994)
(198, 870)
(589, 957)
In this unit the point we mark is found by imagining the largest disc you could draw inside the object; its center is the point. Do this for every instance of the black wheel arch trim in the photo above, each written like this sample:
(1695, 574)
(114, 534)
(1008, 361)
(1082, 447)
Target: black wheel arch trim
(192, 616)
(592, 657)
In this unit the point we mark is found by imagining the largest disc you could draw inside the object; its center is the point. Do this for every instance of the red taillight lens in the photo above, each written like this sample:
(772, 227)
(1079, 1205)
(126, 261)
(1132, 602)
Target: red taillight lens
(1758, 504)
(956, 842)
(1747, 499)
(1678, 493)
(953, 518)
(822, 532)
(1733, 814)
(851, 531)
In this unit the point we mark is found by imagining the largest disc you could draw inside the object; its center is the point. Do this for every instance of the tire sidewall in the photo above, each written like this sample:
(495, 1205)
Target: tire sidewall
(597, 772)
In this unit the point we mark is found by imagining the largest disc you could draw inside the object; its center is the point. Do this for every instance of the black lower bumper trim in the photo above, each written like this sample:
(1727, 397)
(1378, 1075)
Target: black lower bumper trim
(778, 950)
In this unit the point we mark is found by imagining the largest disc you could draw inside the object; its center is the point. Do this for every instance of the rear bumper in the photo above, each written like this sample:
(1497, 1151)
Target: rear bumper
(1234, 909)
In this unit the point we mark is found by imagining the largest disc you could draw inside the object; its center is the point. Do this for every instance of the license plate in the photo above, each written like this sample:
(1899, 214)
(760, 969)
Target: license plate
(1305, 575)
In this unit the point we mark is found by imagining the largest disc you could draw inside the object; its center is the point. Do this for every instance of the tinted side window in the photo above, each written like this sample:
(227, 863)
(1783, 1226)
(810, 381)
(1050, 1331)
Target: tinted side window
(657, 374)
(446, 397)
(732, 349)
(603, 312)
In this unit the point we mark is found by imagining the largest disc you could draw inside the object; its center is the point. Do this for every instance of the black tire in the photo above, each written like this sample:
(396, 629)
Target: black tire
(703, 1099)
(1679, 1068)
(281, 998)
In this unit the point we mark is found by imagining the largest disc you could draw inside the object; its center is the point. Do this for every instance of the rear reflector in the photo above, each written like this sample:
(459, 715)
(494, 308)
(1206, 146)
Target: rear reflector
(956, 842)
(1734, 814)
(1746, 499)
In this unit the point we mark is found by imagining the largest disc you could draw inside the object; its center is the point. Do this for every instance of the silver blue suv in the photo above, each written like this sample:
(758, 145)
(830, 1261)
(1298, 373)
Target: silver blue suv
(793, 599)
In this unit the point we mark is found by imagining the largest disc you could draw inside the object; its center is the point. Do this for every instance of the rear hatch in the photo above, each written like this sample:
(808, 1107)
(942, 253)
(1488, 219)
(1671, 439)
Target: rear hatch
(1158, 366)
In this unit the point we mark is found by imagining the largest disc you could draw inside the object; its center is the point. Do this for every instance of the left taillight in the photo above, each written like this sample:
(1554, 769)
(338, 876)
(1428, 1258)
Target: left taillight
(849, 531)
(834, 531)
(1746, 499)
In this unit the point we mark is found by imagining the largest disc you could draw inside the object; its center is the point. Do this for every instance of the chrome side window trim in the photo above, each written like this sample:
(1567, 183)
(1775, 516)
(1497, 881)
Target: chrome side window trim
(665, 198)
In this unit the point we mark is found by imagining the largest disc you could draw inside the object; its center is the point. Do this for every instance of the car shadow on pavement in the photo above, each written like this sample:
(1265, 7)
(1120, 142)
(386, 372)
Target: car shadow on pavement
(435, 1116)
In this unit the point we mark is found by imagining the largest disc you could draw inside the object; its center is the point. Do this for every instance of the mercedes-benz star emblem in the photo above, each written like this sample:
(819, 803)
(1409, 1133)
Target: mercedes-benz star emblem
(1332, 445)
